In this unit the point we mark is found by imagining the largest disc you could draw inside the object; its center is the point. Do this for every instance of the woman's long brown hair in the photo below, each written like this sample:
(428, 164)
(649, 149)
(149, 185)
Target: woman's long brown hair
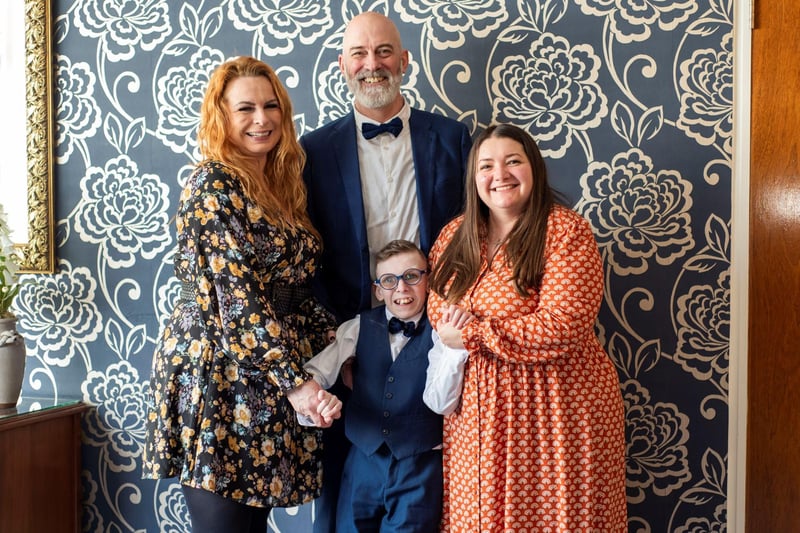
(458, 266)
(279, 189)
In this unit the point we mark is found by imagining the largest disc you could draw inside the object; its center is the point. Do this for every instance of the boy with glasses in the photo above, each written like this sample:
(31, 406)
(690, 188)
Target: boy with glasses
(392, 478)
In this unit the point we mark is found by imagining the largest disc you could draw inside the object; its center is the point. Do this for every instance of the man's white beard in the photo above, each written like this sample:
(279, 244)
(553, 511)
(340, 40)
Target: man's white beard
(378, 96)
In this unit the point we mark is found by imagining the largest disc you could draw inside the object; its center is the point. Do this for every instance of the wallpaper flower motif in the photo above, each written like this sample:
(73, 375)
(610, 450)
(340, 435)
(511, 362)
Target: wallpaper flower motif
(551, 91)
(122, 26)
(277, 25)
(59, 316)
(77, 113)
(172, 512)
(631, 21)
(703, 525)
(704, 331)
(631, 103)
(332, 94)
(707, 100)
(116, 425)
(123, 212)
(638, 213)
(91, 518)
(448, 24)
(179, 97)
(657, 454)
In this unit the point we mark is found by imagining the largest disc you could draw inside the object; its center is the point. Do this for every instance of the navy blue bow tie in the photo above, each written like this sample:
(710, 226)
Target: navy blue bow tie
(396, 326)
(394, 126)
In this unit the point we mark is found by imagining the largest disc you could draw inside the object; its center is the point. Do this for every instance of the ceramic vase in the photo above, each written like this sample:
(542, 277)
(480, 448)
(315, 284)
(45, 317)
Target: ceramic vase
(12, 362)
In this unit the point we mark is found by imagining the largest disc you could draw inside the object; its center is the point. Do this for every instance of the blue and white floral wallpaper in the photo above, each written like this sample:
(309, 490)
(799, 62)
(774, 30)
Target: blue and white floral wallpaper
(631, 103)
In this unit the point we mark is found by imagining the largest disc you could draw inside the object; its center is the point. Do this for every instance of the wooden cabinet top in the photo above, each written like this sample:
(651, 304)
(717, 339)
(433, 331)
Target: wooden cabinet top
(34, 410)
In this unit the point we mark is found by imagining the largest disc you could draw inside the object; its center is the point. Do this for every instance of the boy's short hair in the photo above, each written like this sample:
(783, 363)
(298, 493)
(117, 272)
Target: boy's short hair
(397, 247)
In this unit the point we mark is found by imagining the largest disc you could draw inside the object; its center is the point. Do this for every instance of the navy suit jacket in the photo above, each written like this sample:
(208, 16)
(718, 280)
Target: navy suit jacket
(440, 146)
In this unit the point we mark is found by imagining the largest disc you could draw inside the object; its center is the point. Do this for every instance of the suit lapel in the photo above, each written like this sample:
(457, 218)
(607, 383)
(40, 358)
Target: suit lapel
(349, 198)
(343, 143)
(422, 147)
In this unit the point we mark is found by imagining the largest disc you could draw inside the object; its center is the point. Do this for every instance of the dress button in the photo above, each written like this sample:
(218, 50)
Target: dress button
(391, 379)
(386, 414)
(385, 431)
(389, 395)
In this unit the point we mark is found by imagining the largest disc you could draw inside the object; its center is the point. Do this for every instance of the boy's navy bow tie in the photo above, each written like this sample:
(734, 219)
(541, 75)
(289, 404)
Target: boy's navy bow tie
(396, 326)
(394, 126)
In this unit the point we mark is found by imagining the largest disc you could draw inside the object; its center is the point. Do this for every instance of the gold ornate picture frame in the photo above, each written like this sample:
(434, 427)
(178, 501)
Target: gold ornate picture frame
(39, 252)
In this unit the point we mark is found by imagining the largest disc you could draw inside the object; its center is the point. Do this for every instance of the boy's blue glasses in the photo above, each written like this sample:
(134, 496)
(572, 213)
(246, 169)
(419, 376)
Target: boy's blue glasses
(412, 276)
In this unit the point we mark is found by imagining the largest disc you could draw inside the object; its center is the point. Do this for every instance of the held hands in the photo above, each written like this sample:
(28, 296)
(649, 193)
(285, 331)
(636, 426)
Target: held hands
(329, 407)
(314, 402)
(449, 326)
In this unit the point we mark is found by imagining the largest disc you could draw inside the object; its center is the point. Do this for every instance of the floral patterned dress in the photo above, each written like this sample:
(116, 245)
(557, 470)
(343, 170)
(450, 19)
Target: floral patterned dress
(538, 441)
(219, 419)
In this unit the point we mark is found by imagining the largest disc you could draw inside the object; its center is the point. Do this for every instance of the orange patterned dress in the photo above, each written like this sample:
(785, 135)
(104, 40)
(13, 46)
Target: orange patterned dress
(538, 442)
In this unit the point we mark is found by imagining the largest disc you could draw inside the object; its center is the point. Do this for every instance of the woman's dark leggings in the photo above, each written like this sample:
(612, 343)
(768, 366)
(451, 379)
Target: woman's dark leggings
(211, 513)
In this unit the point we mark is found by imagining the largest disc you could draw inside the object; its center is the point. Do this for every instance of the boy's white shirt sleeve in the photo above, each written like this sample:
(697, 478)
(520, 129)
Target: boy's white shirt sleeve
(445, 377)
(325, 366)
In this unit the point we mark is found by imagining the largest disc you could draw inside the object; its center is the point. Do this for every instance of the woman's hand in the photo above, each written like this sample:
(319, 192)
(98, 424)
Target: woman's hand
(454, 318)
(314, 402)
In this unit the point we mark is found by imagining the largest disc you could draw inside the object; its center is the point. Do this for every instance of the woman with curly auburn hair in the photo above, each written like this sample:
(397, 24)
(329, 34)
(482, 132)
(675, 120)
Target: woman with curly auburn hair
(228, 379)
(537, 442)
(277, 186)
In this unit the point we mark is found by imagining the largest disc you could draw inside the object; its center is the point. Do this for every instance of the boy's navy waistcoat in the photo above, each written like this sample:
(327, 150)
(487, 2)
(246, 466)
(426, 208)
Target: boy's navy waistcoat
(386, 405)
